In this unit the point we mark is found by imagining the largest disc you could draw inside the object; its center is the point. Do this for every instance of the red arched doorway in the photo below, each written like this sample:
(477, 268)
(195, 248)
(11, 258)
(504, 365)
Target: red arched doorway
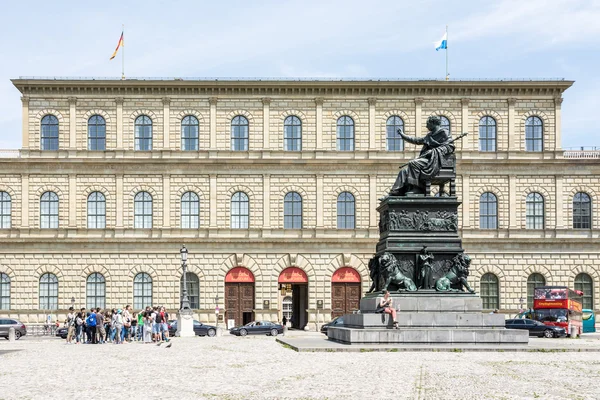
(239, 295)
(297, 278)
(345, 291)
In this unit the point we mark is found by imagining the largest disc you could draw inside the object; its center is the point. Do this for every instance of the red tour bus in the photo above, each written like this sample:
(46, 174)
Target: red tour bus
(559, 306)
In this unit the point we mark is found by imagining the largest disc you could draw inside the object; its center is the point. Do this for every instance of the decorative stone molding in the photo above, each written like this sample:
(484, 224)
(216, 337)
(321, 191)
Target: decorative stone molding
(419, 101)
(447, 114)
(243, 113)
(90, 269)
(5, 269)
(119, 101)
(372, 101)
(190, 188)
(319, 101)
(240, 188)
(465, 101)
(583, 269)
(166, 101)
(185, 113)
(511, 101)
(147, 113)
(538, 269)
(266, 101)
(72, 101)
(95, 188)
(558, 101)
(88, 114)
(213, 100)
(51, 269)
(347, 260)
(144, 188)
(25, 100)
(337, 115)
(299, 262)
(295, 113)
(41, 114)
(143, 268)
(238, 260)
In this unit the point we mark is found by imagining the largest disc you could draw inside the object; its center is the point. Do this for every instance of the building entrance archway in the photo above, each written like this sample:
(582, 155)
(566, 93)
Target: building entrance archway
(345, 291)
(239, 296)
(298, 280)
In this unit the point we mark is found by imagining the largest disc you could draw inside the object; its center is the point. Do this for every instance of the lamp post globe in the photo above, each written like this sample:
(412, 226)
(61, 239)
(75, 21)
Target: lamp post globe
(185, 323)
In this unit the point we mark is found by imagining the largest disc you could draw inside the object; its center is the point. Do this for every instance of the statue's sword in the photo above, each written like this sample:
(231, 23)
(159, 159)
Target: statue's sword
(430, 151)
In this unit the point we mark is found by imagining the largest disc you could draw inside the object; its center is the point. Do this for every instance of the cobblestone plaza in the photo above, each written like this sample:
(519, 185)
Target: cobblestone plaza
(273, 187)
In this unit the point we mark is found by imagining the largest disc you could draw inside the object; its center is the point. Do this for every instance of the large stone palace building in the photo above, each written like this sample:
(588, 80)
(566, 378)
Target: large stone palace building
(272, 185)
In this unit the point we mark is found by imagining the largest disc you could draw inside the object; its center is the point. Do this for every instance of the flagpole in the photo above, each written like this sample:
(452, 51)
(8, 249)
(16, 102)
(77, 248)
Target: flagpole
(447, 76)
(123, 55)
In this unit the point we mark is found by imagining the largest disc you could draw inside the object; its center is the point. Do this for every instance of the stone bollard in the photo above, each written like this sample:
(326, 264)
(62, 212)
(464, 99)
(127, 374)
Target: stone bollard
(285, 329)
(11, 334)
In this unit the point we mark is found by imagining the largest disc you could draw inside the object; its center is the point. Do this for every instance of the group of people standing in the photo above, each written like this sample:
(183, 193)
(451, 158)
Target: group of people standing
(117, 326)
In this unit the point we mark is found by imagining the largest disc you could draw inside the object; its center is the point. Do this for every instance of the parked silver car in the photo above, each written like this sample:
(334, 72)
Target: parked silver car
(7, 323)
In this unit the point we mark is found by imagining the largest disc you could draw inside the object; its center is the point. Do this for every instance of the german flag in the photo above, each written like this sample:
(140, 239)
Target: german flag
(121, 43)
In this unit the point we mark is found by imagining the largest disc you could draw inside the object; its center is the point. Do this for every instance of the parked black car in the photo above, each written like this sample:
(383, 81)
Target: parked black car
(199, 329)
(257, 328)
(62, 332)
(535, 328)
(337, 321)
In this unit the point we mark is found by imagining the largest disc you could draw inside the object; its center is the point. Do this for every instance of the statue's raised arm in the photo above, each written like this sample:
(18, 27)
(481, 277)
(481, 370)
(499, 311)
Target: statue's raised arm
(410, 139)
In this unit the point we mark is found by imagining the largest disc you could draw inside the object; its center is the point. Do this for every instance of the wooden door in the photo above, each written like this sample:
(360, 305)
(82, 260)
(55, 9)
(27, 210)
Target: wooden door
(239, 299)
(345, 297)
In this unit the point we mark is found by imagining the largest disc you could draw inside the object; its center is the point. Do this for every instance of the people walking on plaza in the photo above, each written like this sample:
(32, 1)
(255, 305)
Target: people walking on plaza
(386, 306)
(79, 327)
(134, 322)
(92, 326)
(158, 326)
(148, 325)
(165, 325)
(118, 325)
(140, 325)
(70, 323)
(126, 324)
(100, 330)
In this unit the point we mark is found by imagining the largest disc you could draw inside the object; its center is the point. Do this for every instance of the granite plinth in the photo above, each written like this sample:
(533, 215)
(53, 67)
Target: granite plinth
(427, 319)
(425, 300)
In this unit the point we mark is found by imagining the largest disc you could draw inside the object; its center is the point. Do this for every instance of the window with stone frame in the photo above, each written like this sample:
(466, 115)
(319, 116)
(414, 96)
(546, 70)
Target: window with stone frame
(345, 133)
(240, 211)
(585, 283)
(487, 134)
(4, 292)
(582, 211)
(534, 280)
(488, 211)
(96, 211)
(142, 291)
(95, 291)
(193, 289)
(286, 307)
(240, 129)
(190, 211)
(49, 210)
(48, 292)
(190, 128)
(346, 211)
(445, 124)
(142, 211)
(292, 134)
(49, 133)
(96, 133)
(394, 141)
(143, 133)
(5, 210)
(292, 211)
(534, 211)
(489, 291)
(534, 134)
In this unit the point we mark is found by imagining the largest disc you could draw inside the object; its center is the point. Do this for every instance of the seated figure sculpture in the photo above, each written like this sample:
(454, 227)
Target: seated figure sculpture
(437, 145)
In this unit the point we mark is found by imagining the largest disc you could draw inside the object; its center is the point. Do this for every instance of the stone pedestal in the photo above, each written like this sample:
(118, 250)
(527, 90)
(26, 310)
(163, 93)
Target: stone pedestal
(426, 318)
(185, 324)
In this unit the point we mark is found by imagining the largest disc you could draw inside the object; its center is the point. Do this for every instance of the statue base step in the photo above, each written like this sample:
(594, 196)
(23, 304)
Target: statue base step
(425, 319)
(425, 300)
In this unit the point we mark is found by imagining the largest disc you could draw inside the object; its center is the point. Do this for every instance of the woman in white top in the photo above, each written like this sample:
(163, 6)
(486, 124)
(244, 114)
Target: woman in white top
(386, 306)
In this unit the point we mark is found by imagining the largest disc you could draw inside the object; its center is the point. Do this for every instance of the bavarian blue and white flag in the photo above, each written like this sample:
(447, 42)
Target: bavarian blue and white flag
(442, 43)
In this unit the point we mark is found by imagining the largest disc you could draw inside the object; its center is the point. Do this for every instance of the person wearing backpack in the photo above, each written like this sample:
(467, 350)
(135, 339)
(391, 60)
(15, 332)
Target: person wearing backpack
(92, 326)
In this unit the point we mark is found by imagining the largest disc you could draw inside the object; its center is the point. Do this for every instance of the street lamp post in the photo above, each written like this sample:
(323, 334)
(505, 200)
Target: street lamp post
(185, 322)
(521, 301)
(217, 311)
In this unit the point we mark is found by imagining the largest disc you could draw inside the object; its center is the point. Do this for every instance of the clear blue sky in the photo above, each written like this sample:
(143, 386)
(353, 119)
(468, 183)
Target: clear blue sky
(350, 38)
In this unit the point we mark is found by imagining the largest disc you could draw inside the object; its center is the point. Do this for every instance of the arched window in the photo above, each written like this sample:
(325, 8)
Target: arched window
(534, 134)
(533, 281)
(240, 210)
(292, 134)
(142, 291)
(189, 133)
(48, 292)
(345, 133)
(489, 291)
(488, 211)
(445, 124)
(292, 211)
(394, 141)
(96, 133)
(193, 289)
(534, 211)
(190, 211)
(49, 211)
(487, 134)
(585, 283)
(286, 307)
(582, 211)
(345, 211)
(96, 211)
(4, 292)
(143, 210)
(239, 133)
(143, 133)
(95, 290)
(5, 210)
(49, 134)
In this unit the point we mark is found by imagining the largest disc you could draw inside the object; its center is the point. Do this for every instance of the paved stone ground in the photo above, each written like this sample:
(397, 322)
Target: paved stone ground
(230, 367)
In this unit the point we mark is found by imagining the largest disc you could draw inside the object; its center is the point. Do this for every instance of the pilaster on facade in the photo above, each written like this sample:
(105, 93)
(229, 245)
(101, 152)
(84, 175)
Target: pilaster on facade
(558, 195)
(72, 201)
(320, 199)
(372, 201)
(467, 144)
(372, 134)
(512, 202)
(166, 122)
(72, 123)
(266, 201)
(418, 116)
(25, 122)
(213, 201)
(166, 181)
(119, 201)
(24, 201)
(266, 101)
(319, 122)
(119, 130)
(557, 123)
(466, 201)
(512, 142)
(213, 122)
